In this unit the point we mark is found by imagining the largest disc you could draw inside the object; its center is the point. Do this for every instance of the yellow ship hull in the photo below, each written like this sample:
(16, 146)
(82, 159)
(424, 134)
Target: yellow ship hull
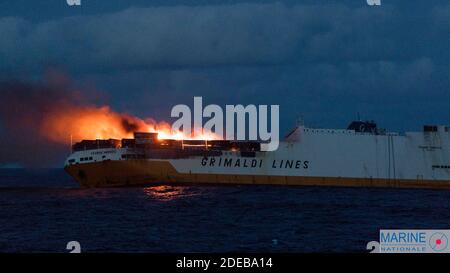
(112, 173)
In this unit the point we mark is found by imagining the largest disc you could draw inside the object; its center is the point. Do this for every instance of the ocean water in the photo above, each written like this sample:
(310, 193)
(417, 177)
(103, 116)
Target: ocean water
(42, 210)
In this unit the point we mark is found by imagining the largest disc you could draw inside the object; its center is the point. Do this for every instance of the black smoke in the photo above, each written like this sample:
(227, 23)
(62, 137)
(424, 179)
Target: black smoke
(23, 106)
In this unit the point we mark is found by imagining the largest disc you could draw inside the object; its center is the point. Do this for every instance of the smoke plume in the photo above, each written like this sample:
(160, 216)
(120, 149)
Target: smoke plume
(38, 121)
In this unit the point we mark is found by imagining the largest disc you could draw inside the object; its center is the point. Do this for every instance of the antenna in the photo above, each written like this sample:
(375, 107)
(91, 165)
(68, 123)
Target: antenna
(300, 121)
(71, 140)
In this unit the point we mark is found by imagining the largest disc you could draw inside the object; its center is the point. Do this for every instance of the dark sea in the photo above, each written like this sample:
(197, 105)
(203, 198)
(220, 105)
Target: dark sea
(42, 210)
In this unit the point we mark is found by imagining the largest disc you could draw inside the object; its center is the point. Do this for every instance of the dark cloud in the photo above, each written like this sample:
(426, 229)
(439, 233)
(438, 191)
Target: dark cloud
(239, 34)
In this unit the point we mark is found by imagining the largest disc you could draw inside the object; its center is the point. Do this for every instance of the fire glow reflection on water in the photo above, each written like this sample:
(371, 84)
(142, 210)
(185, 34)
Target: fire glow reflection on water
(168, 193)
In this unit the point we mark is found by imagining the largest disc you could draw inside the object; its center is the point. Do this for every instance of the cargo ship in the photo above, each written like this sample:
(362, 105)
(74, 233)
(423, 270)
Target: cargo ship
(361, 155)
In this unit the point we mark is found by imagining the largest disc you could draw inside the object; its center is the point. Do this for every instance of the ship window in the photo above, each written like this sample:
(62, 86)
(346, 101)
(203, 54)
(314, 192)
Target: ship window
(430, 128)
(90, 158)
(71, 160)
(82, 159)
(441, 166)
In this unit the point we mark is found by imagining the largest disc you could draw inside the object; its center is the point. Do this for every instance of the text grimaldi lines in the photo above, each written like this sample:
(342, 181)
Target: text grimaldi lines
(253, 163)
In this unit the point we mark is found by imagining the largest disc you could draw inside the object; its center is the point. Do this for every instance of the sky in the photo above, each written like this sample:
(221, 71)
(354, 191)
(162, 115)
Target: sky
(325, 61)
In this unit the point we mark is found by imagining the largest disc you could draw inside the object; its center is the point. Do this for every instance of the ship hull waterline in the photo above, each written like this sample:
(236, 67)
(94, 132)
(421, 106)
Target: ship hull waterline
(112, 173)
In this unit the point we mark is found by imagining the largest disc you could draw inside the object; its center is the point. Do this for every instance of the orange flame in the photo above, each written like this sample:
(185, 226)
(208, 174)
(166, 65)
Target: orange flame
(88, 122)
